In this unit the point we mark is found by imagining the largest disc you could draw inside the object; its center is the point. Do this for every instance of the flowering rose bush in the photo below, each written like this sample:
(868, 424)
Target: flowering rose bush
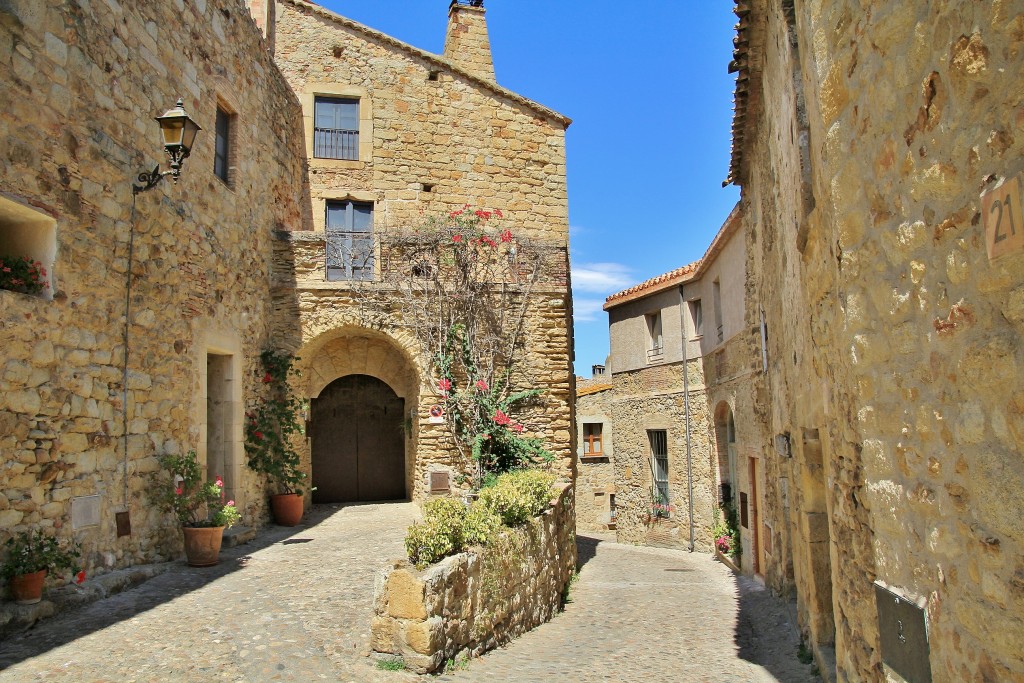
(196, 502)
(723, 543)
(272, 423)
(22, 274)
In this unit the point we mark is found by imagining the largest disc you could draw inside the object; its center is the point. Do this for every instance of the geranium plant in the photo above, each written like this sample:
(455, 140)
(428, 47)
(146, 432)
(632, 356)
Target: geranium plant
(31, 551)
(182, 490)
(22, 274)
(273, 422)
(726, 531)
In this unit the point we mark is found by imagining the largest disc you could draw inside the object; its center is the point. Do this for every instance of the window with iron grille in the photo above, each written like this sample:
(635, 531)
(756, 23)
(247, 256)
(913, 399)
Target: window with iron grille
(592, 440)
(350, 248)
(659, 465)
(336, 128)
(222, 144)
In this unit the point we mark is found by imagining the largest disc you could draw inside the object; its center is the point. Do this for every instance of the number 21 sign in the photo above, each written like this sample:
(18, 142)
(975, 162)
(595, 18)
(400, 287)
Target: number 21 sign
(1004, 227)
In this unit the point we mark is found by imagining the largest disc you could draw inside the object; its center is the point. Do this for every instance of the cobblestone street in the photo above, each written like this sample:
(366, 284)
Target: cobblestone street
(295, 606)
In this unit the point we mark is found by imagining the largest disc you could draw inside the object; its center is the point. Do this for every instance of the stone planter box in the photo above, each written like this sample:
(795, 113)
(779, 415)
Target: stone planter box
(475, 601)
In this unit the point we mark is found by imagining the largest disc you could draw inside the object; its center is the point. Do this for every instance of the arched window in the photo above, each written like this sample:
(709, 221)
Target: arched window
(725, 433)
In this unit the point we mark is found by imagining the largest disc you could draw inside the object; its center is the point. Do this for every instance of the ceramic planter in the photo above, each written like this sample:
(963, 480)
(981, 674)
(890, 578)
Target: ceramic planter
(202, 545)
(287, 509)
(27, 589)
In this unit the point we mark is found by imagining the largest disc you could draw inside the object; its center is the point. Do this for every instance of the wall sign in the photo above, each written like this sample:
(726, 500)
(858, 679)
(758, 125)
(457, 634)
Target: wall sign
(436, 415)
(1004, 224)
(903, 634)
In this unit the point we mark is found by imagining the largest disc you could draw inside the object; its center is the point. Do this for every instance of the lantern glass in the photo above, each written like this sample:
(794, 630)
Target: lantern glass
(178, 129)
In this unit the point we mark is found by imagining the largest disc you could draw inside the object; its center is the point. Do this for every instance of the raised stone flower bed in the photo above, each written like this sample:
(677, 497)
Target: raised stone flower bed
(475, 601)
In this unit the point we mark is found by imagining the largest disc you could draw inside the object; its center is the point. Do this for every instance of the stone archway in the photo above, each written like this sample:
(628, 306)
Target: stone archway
(363, 387)
(725, 441)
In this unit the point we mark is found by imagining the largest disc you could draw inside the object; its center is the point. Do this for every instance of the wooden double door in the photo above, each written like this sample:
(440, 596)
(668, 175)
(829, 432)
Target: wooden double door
(358, 442)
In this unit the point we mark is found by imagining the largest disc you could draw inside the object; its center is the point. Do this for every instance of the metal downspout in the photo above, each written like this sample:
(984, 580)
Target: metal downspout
(686, 410)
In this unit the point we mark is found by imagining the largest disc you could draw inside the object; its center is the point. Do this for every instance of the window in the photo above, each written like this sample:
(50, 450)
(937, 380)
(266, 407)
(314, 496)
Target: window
(592, 440)
(716, 292)
(696, 318)
(656, 344)
(336, 128)
(349, 241)
(222, 145)
(659, 465)
(26, 233)
(612, 510)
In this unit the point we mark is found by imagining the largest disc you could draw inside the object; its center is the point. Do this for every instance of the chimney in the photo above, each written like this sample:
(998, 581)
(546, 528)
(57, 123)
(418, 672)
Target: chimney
(467, 45)
(264, 13)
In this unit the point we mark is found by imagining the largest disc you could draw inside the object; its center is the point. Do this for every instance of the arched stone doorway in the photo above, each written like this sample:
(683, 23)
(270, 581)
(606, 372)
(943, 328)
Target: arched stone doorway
(358, 441)
(364, 389)
(725, 437)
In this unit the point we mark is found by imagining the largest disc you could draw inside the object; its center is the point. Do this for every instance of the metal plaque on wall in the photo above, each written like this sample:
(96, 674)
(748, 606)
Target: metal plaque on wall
(903, 633)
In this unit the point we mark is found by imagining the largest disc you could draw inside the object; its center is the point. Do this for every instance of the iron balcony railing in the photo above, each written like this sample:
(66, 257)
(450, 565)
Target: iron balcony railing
(336, 143)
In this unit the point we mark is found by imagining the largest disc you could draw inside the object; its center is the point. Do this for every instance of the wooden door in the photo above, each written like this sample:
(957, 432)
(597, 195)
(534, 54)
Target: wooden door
(358, 449)
(755, 516)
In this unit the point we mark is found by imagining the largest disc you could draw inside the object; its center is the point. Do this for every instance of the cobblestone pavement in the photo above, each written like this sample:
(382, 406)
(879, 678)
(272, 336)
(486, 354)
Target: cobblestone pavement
(295, 606)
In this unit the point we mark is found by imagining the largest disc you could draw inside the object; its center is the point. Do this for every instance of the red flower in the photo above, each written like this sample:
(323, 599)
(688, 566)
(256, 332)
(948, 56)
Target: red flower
(80, 577)
(506, 236)
(454, 214)
(258, 435)
(480, 213)
(219, 482)
(481, 385)
(457, 238)
(445, 385)
(488, 241)
(497, 212)
(267, 378)
(501, 418)
(518, 428)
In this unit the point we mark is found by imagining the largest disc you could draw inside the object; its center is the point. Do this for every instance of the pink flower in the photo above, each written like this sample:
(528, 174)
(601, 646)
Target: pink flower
(444, 385)
(6, 269)
(506, 236)
(229, 504)
(219, 482)
(457, 238)
(501, 418)
(481, 385)
(80, 577)
(518, 428)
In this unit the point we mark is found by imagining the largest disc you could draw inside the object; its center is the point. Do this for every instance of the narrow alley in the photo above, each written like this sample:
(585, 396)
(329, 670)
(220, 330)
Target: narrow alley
(295, 605)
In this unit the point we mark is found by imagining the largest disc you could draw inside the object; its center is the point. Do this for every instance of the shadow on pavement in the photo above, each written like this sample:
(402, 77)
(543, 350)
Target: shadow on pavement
(586, 549)
(76, 621)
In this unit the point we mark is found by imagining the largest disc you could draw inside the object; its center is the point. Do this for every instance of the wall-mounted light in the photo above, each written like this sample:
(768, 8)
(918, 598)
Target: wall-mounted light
(179, 134)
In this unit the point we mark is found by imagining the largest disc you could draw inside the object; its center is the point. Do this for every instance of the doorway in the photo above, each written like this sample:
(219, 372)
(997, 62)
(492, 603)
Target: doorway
(358, 442)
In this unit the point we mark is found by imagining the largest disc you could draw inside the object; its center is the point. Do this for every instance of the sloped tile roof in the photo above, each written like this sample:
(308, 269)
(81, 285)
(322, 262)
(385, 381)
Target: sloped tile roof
(593, 389)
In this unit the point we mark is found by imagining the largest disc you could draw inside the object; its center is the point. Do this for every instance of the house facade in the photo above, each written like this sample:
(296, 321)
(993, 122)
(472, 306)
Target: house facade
(317, 133)
(879, 155)
(677, 448)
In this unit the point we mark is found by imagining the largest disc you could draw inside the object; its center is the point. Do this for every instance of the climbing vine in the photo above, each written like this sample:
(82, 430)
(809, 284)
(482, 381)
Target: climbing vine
(272, 423)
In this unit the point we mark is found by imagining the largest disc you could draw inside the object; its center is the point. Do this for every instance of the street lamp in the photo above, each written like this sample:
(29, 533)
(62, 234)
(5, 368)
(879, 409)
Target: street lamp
(179, 134)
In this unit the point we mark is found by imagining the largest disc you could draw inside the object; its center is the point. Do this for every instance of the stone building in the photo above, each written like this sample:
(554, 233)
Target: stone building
(307, 118)
(103, 372)
(394, 133)
(651, 437)
(878, 146)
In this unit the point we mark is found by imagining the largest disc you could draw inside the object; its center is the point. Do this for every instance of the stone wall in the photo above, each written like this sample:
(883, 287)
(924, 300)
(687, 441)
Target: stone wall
(432, 138)
(899, 387)
(83, 83)
(596, 502)
(478, 600)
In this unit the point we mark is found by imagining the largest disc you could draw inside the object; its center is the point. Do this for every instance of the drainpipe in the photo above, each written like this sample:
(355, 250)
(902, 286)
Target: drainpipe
(686, 410)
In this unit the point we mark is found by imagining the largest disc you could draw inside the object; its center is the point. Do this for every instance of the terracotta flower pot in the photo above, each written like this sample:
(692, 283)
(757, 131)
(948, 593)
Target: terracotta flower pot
(202, 545)
(27, 589)
(287, 509)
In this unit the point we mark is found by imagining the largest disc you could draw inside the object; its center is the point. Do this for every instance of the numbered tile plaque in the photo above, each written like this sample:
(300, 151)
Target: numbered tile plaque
(1004, 225)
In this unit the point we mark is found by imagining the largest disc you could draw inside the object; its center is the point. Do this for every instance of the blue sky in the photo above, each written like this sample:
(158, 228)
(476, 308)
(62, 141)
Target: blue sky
(651, 102)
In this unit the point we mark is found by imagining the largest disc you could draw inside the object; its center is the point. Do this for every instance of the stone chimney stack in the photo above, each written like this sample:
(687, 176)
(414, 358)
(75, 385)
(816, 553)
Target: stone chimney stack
(264, 13)
(467, 45)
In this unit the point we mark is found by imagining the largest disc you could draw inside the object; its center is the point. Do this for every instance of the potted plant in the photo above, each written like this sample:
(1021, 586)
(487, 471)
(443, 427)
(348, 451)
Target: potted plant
(31, 555)
(22, 274)
(199, 506)
(269, 430)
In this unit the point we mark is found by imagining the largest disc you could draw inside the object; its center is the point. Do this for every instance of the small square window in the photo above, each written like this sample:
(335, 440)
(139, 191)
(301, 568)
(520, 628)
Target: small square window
(336, 128)
(592, 445)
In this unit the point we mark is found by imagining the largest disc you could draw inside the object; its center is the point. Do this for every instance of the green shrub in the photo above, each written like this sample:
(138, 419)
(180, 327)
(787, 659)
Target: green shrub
(519, 496)
(482, 524)
(441, 534)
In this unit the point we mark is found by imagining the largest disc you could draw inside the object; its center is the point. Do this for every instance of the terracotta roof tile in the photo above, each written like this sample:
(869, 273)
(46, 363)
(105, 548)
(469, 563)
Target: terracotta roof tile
(593, 389)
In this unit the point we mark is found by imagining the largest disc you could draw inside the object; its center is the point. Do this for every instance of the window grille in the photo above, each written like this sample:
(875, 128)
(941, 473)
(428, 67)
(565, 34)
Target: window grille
(659, 465)
(336, 128)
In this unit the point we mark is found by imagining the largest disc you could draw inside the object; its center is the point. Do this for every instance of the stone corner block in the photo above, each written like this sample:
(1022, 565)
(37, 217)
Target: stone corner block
(405, 593)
